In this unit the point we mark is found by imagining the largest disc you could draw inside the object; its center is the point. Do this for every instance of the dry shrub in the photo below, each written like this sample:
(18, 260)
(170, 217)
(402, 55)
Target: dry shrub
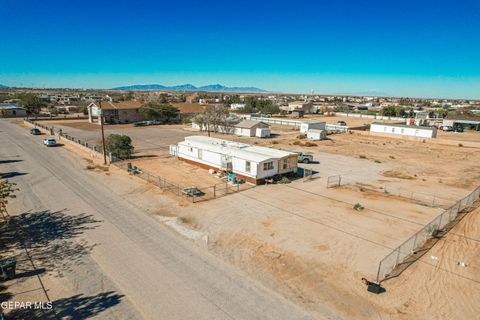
(309, 144)
(398, 174)
(301, 136)
(92, 166)
(297, 143)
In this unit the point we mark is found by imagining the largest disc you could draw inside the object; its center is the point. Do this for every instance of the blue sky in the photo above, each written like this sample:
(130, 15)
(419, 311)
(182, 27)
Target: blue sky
(402, 48)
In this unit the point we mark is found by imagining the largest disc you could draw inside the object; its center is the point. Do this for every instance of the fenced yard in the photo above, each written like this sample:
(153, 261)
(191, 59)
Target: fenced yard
(417, 245)
(421, 198)
(195, 193)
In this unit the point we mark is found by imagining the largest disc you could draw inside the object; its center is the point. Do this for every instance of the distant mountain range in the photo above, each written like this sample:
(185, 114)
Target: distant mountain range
(2, 86)
(190, 87)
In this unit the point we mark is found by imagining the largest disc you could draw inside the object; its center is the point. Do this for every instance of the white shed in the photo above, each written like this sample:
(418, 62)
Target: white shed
(314, 134)
(318, 125)
(262, 133)
(393, 129)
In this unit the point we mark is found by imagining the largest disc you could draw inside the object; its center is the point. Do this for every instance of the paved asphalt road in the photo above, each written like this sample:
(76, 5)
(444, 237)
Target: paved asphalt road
(159, 274)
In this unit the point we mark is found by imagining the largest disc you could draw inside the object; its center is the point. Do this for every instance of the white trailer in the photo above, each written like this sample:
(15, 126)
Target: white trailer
(393, 129)
(318, 125)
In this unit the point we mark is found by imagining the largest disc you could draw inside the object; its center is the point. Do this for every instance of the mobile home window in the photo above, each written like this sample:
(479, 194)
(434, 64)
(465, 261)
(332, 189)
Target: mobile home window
(248, 166)
(285, 163)
(268, 166)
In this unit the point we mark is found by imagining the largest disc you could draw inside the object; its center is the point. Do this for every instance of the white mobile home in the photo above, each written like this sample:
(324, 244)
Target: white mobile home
(318, 125)
(249, 162)
(401, 130)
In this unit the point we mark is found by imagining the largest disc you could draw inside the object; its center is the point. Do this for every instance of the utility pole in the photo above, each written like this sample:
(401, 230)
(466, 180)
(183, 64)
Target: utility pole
(103, 134)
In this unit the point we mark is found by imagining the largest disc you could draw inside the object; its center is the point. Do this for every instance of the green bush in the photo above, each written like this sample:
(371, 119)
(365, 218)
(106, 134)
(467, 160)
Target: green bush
(119, 145)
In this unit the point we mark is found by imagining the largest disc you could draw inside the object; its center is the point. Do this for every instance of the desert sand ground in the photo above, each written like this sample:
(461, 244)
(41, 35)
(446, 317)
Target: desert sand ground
(308, 243)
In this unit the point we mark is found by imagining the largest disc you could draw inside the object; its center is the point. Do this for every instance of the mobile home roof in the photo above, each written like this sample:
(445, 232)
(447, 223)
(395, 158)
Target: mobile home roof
(240, 150)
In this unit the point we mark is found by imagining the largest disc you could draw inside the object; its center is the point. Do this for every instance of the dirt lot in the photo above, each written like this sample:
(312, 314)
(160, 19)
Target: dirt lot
(182, 174)
(307, 242)
(473, 136)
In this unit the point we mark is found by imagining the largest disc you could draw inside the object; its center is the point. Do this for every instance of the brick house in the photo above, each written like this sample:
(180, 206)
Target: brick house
(115, 112)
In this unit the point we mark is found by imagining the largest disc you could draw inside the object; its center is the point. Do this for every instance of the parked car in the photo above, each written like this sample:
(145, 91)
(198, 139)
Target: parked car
(458, 129)
(447, 128)
(50, 142)
(35, 132)
(303, 157)
(341, 123)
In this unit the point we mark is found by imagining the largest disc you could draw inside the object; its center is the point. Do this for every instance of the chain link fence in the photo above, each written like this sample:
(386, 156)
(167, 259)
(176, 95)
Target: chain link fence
(409, 251)
(193, 193)
(334, 181)
(82, 143)
(421, 198)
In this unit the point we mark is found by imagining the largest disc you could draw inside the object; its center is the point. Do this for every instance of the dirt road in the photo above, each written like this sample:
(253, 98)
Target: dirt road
(152, 272)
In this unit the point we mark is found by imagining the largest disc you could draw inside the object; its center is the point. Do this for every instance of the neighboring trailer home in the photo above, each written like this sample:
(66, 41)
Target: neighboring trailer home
(401, 130)
(249, 128)
(318, 125)
(251, 163)
(469, 124)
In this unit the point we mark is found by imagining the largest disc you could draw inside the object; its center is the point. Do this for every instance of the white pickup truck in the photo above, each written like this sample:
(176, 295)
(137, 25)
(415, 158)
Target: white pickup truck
(303, 157)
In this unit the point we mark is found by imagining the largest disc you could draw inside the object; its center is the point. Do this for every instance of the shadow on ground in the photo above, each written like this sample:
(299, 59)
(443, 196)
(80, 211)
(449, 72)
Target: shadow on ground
(49, 240)
(8, 175)
(74, 307)
(10, 161)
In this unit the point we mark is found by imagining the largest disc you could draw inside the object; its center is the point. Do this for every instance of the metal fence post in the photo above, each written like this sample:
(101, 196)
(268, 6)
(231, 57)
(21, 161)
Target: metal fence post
(415, 242)
(398, 256)
(378, 271)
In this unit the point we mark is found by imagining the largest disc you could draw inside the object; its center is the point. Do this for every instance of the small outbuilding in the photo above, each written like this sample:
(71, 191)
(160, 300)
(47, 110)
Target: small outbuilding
(262, 133)
(12, 110)
(318, 125)
(248, 128)
(314, 134)
(297, 113)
